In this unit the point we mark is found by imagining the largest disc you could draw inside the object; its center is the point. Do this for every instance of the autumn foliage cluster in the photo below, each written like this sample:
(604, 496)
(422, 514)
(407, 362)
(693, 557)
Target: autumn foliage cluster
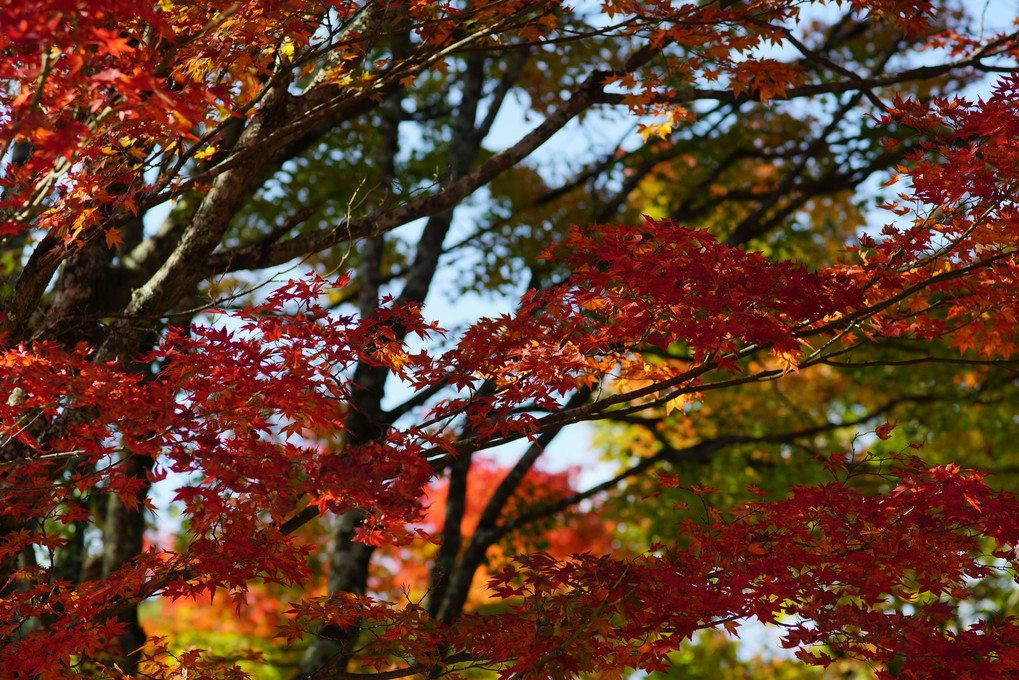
(237, 437)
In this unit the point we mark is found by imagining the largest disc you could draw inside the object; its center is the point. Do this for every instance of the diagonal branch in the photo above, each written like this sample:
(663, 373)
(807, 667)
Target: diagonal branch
(589, 93)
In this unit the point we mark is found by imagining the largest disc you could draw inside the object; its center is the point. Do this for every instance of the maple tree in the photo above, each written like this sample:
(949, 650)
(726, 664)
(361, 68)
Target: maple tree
(224, 228)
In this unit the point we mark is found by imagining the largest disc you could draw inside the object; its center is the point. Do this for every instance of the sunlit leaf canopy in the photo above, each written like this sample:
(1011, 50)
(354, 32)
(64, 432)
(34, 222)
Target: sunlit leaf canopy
(297, 272)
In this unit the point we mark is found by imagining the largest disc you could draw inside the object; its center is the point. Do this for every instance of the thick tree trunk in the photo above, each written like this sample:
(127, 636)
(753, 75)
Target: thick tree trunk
(123, 539)
(348, 573)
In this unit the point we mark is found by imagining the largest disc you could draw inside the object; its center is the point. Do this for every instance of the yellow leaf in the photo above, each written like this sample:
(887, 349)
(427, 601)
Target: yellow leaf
(676, 403)
(206, 152)
(788, 362)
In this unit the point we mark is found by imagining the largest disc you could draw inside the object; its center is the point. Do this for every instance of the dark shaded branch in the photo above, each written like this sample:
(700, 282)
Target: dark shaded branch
(444, 569)
(447, 603)
(753, 225)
